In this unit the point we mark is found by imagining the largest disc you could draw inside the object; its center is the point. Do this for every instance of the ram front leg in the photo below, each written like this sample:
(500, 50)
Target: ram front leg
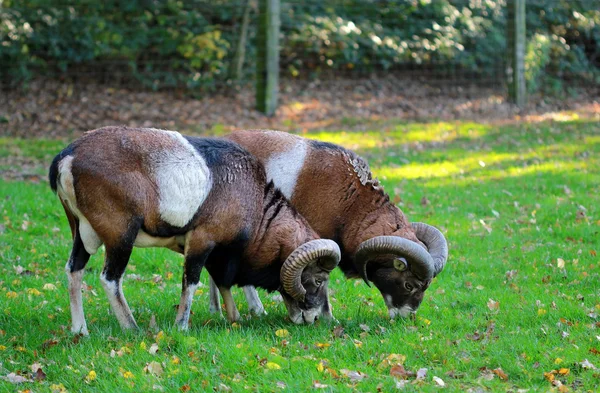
(198, 248)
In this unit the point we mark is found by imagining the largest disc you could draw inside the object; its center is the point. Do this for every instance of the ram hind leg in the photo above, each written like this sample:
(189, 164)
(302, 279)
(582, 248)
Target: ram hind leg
(233, 315)
(254, 304)
(75, 267)
(118, 252)
(214, 298)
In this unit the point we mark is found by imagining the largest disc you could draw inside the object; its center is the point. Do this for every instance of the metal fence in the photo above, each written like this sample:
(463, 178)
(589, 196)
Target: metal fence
(192, 47)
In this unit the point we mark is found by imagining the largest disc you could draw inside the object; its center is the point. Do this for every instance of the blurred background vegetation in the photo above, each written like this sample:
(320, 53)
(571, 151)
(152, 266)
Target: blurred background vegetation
(192, 44)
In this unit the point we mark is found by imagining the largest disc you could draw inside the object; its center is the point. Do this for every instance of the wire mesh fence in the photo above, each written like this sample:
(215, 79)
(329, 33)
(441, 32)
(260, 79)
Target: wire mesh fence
(193, 44)
(77, 64)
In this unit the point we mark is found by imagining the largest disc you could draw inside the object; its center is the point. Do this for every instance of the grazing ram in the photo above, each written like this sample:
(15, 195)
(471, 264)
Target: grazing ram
(334, 190)
(208, 199)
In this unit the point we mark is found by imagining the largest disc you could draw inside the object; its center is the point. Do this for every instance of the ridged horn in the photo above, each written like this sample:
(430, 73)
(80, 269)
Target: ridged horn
(328, 254)
(419, 260)
(435, 242)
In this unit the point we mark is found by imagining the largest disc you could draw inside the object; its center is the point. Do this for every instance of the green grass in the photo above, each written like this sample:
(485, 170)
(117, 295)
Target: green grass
(512, 198)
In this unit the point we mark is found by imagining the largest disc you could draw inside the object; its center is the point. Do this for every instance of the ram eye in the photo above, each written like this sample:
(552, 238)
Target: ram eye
(318, 282)
(400, 264)
(408, 286)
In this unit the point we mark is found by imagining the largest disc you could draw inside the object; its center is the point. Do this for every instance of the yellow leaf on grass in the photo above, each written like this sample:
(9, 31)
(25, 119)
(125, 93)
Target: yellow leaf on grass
(91, 376)
(560, 263)
(541, 312)
(272, 366)
(320, 367)
(175, 360)
(282, 333)
(322, 345)
(549, 376)
(128, 375)
(557, 361)
(2, 348)
(564, 371)
(33, 291)
(11, 294)
(58, 388)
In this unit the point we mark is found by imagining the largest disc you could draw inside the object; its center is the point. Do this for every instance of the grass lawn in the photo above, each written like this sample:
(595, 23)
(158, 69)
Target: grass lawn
(516, 307)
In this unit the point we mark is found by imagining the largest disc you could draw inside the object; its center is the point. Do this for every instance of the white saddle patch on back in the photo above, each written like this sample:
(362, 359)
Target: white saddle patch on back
(183, 179)
(284, 168)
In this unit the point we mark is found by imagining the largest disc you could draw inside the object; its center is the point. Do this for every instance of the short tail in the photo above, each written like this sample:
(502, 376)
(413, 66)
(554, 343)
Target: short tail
(53, 174)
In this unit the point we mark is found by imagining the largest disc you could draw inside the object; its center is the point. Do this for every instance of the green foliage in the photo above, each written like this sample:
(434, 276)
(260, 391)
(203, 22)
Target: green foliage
(161, 44)
(168, 43)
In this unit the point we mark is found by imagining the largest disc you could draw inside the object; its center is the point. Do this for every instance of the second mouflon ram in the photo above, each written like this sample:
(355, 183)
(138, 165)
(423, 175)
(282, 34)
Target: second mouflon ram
(333, 188)
(208, 199)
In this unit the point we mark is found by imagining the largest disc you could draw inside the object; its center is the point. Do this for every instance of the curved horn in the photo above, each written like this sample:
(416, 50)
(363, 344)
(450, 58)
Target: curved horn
(328, 253)
(420, 262)
(435, 242)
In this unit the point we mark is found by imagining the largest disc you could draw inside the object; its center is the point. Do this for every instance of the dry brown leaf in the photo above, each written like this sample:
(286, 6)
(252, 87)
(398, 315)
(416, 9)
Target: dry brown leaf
(500, 373)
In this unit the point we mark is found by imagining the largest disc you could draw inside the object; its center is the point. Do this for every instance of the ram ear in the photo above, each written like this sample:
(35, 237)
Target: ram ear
(400, 264)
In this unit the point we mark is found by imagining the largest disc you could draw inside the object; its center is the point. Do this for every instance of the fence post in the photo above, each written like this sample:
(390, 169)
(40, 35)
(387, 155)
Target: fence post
(517, 43)
(267, 62)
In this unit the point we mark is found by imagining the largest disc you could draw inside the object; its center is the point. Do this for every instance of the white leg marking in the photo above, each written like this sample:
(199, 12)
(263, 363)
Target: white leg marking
(284, 168)
(254, 304)
(215, 299)
(233, 314)
(185, 306)
(76, 302)
(114, 292)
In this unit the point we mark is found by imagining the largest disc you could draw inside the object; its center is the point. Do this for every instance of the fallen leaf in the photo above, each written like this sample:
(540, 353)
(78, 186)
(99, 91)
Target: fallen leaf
(153, 349)
(272, 366)
(280, 385)
(14, 378)
(318, 385)
(439, 381)
(421, 373)
(282, 333)
(322, 345)
(39, 375)
(560, 263)
(354, 376)
(500, 373)
(549, 376)
(364, 328)
(154, 368)
(401, 383)
(398, 371)
(564, 371)
(91, 376)
(493, 305)
(587, 365)
(338, 331)
(185, 388)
